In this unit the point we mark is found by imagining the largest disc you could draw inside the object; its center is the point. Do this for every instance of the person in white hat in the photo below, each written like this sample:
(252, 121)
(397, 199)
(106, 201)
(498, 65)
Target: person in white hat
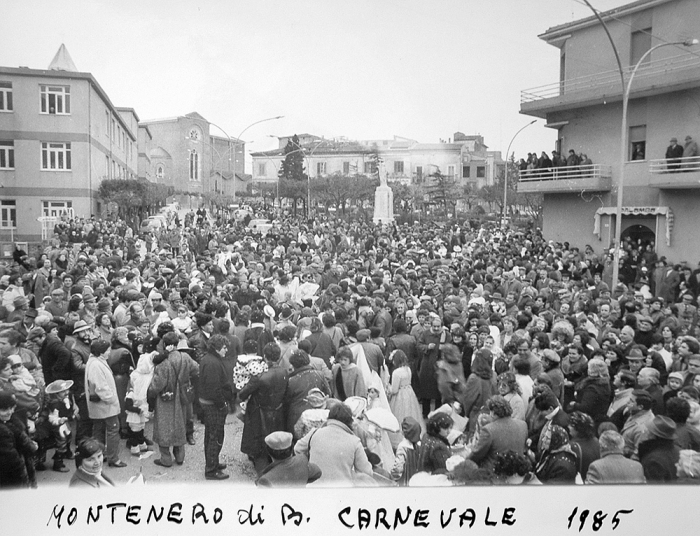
(61, 412)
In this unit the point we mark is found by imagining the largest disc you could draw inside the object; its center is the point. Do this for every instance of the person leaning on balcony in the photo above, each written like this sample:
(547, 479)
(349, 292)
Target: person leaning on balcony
(690, 150)
(585, 163)
(674, 152)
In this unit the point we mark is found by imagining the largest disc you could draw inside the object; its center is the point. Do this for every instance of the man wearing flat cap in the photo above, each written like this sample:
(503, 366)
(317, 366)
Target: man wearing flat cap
(286, 470)
(674, 152)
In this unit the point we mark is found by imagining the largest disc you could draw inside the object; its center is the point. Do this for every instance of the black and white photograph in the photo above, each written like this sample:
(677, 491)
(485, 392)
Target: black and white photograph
(354, 266)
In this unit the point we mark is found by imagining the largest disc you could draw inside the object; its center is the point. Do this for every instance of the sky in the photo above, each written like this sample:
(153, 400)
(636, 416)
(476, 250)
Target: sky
(361, 69)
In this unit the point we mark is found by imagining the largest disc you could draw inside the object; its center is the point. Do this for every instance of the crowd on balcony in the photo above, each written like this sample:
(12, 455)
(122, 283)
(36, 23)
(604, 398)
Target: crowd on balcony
(557, 165)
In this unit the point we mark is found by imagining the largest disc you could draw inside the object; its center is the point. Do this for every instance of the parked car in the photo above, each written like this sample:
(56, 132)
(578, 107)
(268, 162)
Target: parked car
(154, 222)
(260, 225)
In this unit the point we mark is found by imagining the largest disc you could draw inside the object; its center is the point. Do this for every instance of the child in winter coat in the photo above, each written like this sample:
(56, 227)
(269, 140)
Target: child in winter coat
(60, 410)
(135, 401)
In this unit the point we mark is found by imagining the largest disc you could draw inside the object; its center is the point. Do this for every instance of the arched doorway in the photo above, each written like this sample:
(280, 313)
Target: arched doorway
(639, 235)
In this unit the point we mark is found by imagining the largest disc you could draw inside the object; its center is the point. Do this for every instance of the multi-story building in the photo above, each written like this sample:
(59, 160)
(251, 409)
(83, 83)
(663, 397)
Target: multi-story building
(185, 155)
(466, 159)
(660, 200)
(60, 136)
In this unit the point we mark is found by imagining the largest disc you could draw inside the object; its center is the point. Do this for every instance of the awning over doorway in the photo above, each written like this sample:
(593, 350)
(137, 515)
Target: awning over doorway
(636, 211)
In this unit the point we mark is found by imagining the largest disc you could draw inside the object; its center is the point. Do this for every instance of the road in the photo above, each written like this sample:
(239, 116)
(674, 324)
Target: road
(240, 469)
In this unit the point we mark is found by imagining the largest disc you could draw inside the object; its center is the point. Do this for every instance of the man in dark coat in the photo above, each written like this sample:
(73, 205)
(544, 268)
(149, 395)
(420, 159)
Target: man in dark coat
(215, 391)
(265, 412)
(658, 453)
(674, 152)
(286, 470)
(55, 356)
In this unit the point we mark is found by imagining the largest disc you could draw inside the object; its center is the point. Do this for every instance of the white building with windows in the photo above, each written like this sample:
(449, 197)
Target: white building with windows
(60, 136)
(465, 159)
(584, 104)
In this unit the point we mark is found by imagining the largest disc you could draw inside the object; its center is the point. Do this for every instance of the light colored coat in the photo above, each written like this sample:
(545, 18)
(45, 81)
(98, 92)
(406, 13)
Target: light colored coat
(337, 452)
(99, 381)
(169, 421)
(614, 468)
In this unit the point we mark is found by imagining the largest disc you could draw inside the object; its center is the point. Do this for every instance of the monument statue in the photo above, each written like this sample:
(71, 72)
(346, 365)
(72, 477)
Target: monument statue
(383, 202)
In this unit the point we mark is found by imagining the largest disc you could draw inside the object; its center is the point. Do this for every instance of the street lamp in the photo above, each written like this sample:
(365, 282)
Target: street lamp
(623, 149)
(240, 142)
(626, 85)
(505, 177)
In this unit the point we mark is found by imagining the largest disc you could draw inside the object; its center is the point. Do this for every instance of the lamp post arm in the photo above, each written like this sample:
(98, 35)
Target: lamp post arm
(612, 43)
(505, 175)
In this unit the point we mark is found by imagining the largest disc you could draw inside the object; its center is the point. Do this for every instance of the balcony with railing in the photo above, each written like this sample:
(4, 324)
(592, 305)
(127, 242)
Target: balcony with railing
(591, 178)
(675, 173)
(656, 77)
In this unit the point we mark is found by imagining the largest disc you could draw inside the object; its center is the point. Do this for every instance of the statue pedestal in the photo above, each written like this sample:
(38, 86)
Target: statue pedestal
(383, 205)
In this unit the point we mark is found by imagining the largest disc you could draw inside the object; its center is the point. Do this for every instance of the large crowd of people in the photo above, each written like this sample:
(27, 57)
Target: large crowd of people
(355, 355)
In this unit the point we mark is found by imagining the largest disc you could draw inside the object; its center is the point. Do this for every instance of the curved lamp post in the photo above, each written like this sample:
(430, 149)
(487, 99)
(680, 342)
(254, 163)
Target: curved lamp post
(505, 177)
(238, 141)
(623, 151)
(626, 85)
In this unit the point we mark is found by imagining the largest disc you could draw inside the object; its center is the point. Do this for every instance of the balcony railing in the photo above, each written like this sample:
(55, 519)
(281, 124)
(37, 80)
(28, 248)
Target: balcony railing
(592, 171)
(675, 165)
(610, 79)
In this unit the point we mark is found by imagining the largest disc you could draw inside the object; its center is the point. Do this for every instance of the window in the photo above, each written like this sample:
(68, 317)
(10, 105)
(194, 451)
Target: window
(55, 209)
(466, 172)
(346, 168)
(451, 171)
(6, 97)
(640, 44)
(8, 214)
(106, 167)
(398, 166)
(55, 100)
(320, 168)
(160, 171)
(370, 168)
(107, 122)
(55, 156)
(562, 70)
(419, 173)
(7, 155)
(194, 165)
(480, 172)
(638, 142)
(262, 171)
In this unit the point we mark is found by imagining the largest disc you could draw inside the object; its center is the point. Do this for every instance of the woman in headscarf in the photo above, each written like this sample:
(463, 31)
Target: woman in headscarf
(557, 464)
(406, 462)
(480, 386)
(435, 449)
